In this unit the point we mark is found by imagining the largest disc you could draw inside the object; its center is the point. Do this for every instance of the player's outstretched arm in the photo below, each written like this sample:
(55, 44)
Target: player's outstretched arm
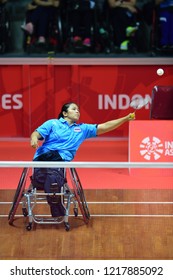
(113, 124)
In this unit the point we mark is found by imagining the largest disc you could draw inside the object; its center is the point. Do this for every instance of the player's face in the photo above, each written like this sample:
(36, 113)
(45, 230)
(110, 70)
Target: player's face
(73, 113)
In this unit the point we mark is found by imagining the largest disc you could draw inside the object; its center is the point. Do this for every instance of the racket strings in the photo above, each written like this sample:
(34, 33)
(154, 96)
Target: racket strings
(139, 103)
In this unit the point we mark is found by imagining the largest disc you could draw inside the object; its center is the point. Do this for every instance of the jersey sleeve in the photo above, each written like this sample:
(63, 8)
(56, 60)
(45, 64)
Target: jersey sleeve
(90, 130)
(45, 128)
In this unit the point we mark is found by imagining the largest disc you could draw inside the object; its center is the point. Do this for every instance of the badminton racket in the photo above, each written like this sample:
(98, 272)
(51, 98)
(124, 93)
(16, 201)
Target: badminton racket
(139, 103)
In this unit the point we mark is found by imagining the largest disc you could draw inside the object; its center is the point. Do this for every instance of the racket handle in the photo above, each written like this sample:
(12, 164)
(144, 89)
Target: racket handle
(132, 115)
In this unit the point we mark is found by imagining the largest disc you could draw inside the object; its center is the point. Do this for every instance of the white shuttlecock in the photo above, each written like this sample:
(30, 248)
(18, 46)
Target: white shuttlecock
(160, 71)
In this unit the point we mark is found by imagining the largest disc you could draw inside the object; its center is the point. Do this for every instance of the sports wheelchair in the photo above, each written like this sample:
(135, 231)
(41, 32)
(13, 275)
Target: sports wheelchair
(30, 197)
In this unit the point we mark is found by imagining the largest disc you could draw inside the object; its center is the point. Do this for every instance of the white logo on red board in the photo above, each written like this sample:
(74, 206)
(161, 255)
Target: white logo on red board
(151, 148)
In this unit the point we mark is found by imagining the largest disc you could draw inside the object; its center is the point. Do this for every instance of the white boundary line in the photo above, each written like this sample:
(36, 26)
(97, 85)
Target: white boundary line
(108, 202)
(107, 215)
(111, 215)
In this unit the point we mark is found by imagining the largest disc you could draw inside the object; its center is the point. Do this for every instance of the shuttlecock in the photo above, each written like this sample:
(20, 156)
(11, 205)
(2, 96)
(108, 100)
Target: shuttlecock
(160, 71)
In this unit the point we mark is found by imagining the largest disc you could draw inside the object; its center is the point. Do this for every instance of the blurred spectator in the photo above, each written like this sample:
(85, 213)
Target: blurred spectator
(165, 14)
(146, 9)
(81, 17)
(146, 16)
(104, 36)
(39, 14)
(4, 27)
(3, 1)
(123, 20)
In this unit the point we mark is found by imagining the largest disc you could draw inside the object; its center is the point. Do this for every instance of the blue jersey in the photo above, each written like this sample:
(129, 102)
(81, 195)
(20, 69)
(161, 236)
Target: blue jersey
(59, 136)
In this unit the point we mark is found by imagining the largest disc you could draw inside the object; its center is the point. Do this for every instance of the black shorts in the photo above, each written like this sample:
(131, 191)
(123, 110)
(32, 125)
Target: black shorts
(49, 156)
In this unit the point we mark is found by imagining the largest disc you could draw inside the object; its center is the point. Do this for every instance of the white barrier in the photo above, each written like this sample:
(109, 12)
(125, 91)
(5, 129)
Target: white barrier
(85, 164)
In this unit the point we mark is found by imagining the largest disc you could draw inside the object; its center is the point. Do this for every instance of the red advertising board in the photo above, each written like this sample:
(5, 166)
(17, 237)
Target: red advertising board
(31, 94)
(151, 141)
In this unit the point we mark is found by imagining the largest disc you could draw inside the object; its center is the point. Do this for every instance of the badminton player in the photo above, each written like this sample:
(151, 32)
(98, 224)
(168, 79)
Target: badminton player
(62, 138)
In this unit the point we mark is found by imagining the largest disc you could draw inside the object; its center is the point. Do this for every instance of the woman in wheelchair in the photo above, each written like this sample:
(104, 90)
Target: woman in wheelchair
(62, 138)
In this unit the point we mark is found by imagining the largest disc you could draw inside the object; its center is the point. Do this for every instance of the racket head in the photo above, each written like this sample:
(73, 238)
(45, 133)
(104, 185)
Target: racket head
(139, 103)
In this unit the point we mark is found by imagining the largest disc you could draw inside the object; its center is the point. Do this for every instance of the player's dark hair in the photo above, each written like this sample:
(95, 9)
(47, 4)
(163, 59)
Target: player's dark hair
(64, 109)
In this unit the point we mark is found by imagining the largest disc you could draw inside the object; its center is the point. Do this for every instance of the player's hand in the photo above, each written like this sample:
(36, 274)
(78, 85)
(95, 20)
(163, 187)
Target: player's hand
(131, 116)
(34, 143)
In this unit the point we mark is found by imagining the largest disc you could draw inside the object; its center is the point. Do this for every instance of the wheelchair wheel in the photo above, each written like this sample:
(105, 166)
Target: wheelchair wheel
(18, 195)
(79, 194)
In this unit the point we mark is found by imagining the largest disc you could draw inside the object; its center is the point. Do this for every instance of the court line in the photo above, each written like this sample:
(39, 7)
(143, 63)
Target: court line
(109, 215)
(108, 202)
(105, 215)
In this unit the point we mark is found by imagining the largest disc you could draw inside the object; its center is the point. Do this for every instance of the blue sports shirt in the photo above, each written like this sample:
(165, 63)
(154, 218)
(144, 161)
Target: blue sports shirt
(60, 136)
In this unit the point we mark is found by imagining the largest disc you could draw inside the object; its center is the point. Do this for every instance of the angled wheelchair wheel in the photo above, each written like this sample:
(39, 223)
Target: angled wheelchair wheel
(79, 194)
(18, 195)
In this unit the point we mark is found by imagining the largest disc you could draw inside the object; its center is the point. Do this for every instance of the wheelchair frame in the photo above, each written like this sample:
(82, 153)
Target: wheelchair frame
(31, 196)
